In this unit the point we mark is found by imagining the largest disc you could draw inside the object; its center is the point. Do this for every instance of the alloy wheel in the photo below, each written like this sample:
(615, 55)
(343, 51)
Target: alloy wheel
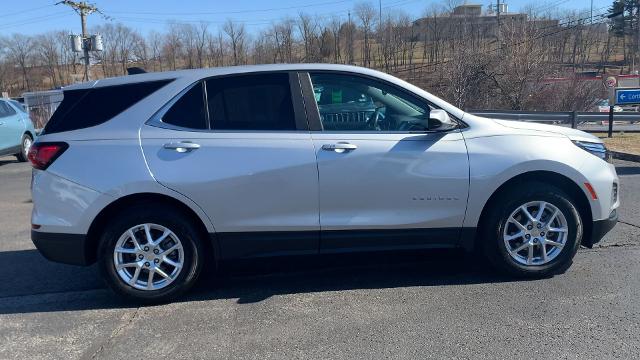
(148, 256)
(26, 145)
(535, 233)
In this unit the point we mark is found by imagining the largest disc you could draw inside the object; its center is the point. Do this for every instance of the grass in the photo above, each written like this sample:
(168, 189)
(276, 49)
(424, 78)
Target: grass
(622, 142)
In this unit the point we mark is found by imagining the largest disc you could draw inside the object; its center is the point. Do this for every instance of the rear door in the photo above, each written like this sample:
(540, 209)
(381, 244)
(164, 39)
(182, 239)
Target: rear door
(239, 147)
(385, 179)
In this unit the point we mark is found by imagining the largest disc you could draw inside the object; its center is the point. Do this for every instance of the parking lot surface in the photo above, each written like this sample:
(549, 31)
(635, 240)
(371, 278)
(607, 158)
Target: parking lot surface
(417, 305)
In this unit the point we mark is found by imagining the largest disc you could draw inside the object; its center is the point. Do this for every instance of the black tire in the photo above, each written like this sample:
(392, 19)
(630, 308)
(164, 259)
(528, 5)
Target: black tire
(22, 155)
(168, 217)
(506, 203)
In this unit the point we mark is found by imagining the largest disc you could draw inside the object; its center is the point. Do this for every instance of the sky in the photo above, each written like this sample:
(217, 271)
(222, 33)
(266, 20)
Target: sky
(31, 17)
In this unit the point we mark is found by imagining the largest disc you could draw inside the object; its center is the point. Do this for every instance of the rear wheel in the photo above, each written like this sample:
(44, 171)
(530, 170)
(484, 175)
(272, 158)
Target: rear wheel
(150, 254)
(534, 232)
(25, 145)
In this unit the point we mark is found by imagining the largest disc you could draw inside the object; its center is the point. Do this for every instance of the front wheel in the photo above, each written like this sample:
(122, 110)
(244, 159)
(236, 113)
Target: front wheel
(534, 232)
(150, 254)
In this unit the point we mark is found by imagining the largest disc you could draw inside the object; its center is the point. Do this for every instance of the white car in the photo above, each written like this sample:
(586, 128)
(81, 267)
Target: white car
(153, 175)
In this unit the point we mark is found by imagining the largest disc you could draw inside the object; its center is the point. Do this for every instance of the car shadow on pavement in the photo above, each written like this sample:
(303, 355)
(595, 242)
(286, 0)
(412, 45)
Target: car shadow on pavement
(5, 161)
(627, 170)
(32, 284)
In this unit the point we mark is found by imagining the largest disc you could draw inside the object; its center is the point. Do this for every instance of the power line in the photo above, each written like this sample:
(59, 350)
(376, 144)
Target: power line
(32, 20)
(341, 14)
(27, 10)
(231, 11)
(545, 7)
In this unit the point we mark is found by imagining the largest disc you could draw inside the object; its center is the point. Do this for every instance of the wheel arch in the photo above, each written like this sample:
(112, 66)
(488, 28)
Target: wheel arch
(101, 220)
(542, 176)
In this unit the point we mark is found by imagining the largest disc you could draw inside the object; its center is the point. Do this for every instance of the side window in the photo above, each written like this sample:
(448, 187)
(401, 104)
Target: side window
(3, 110)
(251, 102)
(189, 111)
(6, 110)
(353, 103)
(83, 108)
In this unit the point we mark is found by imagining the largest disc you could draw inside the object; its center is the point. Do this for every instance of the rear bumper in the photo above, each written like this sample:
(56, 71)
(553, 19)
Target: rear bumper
(63, 248)
(600, 228)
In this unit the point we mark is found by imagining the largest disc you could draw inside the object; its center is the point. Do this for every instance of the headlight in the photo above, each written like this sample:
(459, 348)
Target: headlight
(597, 149)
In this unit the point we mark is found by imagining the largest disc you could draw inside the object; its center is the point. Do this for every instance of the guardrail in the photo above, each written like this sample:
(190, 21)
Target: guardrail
(567, 118)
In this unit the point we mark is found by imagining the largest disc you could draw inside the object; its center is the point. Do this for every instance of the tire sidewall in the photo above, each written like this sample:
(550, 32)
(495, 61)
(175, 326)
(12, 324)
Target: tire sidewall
(497, 250)
(22, 155)
(184, 230)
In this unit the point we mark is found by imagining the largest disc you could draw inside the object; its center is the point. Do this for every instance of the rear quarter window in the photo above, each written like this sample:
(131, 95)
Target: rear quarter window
(84, 108)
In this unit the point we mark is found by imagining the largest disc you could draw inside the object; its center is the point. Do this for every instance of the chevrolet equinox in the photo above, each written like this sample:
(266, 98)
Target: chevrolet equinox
(152, 175)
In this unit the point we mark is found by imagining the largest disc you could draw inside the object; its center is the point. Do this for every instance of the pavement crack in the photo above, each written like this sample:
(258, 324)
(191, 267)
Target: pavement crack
(607, 246)
(630, 224)
(125, 322)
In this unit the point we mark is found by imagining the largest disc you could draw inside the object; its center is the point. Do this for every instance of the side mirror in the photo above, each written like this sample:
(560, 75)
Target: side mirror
(440, 120)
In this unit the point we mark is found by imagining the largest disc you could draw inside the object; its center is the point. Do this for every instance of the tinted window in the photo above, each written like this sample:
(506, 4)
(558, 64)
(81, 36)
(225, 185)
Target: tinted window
(353, 103)
(89, 107)
(251, 102)
(6, 109)
(189, 111)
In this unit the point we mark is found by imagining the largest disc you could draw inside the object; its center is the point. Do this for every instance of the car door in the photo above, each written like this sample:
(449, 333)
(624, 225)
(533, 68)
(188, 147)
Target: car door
(246, 158)
(11, 128)
(385, 179)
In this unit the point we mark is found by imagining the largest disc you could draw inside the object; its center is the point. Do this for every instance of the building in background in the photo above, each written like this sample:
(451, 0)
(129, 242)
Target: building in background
(470, 17)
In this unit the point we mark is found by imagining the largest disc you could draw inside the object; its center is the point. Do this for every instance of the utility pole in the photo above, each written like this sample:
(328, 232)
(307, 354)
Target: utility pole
(498, 21)
(83, 9)
(591, 13)
(380, 12)
(638, 29)
(350, 41)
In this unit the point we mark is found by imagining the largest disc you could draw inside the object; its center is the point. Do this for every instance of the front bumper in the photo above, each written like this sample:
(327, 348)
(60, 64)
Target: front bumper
(63, 248)
(600, 228)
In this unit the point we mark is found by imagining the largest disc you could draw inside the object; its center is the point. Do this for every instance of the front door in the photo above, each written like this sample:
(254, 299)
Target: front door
(385, 180)
(246, 158)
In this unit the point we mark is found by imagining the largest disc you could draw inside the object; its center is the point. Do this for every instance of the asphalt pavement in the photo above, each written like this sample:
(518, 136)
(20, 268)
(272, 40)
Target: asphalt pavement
(435, 304)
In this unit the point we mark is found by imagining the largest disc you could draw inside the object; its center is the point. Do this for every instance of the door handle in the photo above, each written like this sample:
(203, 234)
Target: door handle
(182, 146)
(1, 123)
(339, 147)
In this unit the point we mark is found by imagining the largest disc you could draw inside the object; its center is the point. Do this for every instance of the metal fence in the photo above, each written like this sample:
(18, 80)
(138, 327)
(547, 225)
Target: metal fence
(41, 105)
(589, 121)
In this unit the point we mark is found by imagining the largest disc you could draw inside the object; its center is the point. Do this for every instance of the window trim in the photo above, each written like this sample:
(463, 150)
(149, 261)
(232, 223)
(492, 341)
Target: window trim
(299, 112)
(313, 112)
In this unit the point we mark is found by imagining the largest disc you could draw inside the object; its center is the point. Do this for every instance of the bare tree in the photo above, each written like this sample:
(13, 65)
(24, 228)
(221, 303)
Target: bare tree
(307, 28)
(237, 37)
(19, 50)
(47, 52)
(336, 25)
(366, 13)
(155, 47)
(172, 47)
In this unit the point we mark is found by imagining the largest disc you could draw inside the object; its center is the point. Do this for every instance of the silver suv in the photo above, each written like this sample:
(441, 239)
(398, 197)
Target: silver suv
(152, 175)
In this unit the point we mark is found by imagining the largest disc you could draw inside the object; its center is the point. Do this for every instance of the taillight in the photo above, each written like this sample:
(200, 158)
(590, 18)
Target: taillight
(44, 154)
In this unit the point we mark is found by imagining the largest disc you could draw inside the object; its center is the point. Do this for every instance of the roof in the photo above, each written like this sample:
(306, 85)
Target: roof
(196, 74)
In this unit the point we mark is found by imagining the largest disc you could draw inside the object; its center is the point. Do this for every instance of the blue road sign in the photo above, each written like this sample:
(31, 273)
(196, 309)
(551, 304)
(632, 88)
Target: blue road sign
(627, 96)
